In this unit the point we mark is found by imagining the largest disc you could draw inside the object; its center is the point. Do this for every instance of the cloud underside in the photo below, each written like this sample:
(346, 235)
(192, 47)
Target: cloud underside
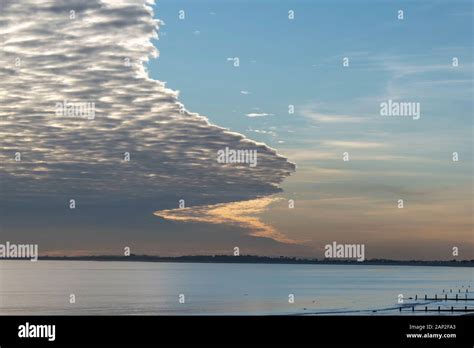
(48, 57)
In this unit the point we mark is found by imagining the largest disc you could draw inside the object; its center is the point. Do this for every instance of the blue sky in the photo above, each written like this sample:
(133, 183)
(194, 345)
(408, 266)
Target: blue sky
(299, 62)
(337, 108)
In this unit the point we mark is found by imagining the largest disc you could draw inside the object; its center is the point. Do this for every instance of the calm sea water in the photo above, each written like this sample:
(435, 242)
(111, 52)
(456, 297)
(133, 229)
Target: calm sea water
(139, 288)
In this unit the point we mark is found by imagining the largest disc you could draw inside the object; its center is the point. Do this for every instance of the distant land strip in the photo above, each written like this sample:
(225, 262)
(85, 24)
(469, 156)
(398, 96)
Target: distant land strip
(258, 259)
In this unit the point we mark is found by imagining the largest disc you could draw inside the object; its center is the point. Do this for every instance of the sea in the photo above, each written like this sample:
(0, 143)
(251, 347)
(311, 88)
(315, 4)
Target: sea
(166, 288)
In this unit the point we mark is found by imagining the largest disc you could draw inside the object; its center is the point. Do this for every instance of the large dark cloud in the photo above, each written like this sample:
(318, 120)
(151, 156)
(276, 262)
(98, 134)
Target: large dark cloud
(47, 58)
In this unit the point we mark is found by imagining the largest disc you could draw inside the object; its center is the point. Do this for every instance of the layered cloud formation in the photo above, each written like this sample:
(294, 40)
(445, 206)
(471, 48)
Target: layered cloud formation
(93, 52)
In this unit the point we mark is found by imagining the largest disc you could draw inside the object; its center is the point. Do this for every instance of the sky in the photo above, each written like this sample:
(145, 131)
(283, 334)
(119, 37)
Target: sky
(173, 99)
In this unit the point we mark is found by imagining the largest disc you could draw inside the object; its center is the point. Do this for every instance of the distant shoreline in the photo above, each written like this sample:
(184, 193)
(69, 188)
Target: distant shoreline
(250, 259)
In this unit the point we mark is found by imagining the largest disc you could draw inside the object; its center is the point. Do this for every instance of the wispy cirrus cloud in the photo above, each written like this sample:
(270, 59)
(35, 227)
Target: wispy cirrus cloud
(320, 117)
(258, 114)
(352, 144)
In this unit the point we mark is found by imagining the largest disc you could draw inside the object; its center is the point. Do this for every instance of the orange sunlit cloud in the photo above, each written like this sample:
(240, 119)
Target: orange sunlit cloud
(243, 214)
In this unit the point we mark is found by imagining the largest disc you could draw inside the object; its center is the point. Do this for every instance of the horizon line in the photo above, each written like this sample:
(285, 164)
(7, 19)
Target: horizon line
(249, 259)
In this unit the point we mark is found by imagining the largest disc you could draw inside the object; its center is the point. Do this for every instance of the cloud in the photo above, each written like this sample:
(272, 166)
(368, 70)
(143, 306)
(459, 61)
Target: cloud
(352, 144)
(312, 115)
(261, 131)
(94, 52)
(258, 114)
(318, 112)
(241, 214)
(245, 92)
